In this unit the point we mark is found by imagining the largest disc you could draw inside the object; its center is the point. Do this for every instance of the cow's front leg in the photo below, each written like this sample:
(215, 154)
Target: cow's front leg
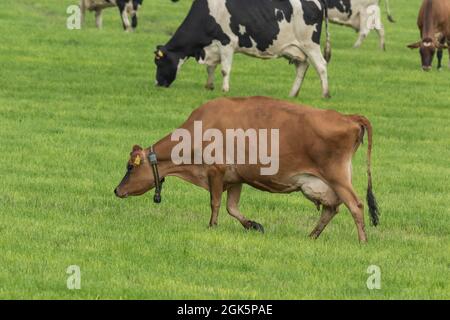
(124, 15)
(233, 197)
(82, 11)
(448, 44)
(134, 21)
(226, 57)
(215, 181)
(210, 82)
(440, 53)
(301, 68)
(98, 18)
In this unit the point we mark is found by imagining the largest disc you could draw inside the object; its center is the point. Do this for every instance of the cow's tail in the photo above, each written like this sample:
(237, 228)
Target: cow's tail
(371, 201)
(327, 50)
(388, 10)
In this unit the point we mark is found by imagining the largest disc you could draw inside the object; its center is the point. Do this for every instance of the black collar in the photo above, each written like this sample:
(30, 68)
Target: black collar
(158, 182)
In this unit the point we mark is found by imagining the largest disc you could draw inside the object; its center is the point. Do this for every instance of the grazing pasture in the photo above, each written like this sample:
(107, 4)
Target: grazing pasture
(73, 102)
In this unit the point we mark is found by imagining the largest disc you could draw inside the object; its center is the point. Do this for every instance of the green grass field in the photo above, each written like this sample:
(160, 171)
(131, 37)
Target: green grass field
(73, 102)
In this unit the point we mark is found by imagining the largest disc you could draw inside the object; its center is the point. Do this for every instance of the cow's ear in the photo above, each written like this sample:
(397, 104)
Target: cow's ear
(414, 45)
(137, 148)
(159, 52)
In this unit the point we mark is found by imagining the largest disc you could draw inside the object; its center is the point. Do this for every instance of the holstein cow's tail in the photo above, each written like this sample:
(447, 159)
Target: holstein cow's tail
(371, 201)
(327, 50)
(388, 10)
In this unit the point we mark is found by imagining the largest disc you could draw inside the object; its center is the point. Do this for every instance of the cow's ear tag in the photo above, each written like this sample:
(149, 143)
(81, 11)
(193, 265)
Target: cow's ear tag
(160, 54)
(137, 160)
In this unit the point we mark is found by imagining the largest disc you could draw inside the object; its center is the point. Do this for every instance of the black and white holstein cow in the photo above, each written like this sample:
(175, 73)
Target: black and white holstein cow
(361, 15)
(215, 29)
(126, 7)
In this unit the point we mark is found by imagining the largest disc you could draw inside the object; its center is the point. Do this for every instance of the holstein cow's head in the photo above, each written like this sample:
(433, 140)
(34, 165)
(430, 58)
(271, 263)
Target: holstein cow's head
(138, 178)
(167, 65)
(427, 48)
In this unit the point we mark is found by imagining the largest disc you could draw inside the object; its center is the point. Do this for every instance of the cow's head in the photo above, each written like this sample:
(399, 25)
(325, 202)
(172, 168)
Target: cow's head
(427, 48)
(139, 177)
(167, 65)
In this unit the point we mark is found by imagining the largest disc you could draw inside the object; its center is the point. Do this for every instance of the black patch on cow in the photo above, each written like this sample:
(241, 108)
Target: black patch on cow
(197, 31)
(258, 20)
(313, 15)
(343, 6)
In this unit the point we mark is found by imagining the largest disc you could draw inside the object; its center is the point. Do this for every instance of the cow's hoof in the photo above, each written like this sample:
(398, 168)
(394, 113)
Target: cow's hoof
(209, 87)
(327, 96)
(255, 226)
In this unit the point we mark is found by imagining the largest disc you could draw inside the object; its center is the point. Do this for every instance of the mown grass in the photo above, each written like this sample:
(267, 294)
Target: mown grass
(72, 103)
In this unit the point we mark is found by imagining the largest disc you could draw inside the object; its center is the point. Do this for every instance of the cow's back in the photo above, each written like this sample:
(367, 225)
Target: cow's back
(299, 126)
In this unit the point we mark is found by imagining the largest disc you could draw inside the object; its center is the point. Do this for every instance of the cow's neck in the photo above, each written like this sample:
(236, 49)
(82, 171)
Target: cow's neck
(191, 173)
(428, 23)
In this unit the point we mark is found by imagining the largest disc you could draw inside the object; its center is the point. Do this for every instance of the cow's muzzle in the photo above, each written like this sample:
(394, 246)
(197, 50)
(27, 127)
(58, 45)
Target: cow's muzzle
(120, 195)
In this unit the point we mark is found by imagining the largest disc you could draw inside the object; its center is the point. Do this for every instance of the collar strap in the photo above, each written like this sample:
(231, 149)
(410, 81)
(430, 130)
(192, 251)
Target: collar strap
(158, 182)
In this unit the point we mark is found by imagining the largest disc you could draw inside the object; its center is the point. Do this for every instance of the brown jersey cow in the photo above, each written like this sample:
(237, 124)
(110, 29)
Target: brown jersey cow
(312, 152)
(434, 26)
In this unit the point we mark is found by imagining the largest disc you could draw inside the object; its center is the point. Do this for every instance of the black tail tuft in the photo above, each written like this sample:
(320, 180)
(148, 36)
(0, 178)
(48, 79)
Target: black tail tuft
(373, 207)
(390, 18)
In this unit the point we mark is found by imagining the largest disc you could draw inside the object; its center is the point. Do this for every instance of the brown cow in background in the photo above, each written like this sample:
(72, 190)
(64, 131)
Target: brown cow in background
(315, 150)
(434, 25)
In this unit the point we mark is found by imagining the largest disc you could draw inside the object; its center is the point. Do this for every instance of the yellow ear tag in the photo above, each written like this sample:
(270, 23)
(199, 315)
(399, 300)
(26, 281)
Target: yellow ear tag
(137, 160)
(160, 53)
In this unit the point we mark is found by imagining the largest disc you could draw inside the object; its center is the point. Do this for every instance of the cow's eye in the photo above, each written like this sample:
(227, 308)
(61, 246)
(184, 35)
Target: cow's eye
(129, 167)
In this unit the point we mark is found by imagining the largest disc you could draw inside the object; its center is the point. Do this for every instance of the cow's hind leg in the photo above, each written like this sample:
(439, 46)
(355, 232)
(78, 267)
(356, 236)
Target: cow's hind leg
(210, 82)
(233, 197)
(319, 63)
(98, 18)
(363, 29)
(301, 68)
(328, 213)
(381, 35)
(348, 196)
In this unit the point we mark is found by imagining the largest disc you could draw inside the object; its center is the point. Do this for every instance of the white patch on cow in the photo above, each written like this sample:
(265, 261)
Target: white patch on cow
(212, 54)
(317, 3)
(276, 13)
(315, 189)
(242, 29)
(180, 63)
